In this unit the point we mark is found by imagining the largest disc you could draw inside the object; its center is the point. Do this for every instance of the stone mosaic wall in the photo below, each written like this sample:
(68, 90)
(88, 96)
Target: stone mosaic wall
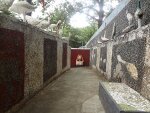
(121, 20)
(64, 55)
(93, 56)
(145, 90)
(127, 55)
(133, 54)
(109, 60)
(103, 58)
(12, 69)
(128, 60)
(50, 59)
(98, 58)
(35, 51)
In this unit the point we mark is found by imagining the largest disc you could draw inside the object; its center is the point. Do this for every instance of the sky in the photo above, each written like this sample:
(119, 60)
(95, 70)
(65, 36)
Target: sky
(79, 20)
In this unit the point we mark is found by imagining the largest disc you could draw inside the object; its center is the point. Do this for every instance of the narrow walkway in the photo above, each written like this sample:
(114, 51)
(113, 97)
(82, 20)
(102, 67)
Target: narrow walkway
(76, 91)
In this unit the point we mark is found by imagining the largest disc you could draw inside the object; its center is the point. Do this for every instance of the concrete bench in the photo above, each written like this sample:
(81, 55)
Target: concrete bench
(120, 98)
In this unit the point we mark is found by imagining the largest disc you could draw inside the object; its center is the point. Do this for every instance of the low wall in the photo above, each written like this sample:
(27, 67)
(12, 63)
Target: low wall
(40, 56)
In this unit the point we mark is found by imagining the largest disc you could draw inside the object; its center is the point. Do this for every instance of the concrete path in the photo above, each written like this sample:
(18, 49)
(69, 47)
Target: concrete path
(76, 91)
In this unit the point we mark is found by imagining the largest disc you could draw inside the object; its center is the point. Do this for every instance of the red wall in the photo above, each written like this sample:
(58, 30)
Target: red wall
(85, 54)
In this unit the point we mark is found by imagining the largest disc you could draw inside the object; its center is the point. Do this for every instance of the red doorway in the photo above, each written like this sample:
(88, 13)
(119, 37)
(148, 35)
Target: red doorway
(80, 57)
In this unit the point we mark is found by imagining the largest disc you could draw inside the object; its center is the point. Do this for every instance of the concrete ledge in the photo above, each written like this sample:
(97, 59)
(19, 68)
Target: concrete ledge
(119, 98)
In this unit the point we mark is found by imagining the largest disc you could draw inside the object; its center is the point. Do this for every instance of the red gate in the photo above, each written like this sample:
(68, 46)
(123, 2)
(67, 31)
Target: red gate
(80, 57)
(11, 68)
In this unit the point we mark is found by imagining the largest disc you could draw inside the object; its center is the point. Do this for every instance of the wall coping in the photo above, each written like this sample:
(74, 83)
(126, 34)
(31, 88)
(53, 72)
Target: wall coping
(81, 48)
(15, 20)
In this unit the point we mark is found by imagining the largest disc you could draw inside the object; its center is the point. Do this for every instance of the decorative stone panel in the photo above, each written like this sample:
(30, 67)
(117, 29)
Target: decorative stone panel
(103, 58)
(50, 59)
(133, 54)
(12, 68)
(64, 55)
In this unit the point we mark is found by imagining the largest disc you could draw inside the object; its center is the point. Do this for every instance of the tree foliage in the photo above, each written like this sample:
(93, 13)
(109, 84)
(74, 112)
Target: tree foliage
(92, 8)
(80, 36)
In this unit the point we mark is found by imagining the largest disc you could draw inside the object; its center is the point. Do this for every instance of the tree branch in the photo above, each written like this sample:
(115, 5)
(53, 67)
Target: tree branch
(90, 7)
(92, 17)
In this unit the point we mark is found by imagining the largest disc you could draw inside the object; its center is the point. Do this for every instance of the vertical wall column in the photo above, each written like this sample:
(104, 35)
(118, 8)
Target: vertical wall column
(68, 56)
(103, 58)
(59, 56)
(64, 55)
(109, 60)
(145, 90)
(98, 58)
(33, 60)
(93, 56)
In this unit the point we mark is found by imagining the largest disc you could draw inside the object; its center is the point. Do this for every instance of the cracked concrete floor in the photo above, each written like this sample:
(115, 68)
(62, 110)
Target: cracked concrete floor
(76, 91)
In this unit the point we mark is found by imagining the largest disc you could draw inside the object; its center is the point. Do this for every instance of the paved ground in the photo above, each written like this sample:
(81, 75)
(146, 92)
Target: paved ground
(76, 91)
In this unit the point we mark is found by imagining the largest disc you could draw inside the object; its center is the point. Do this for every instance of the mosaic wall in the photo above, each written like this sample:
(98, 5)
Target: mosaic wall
(93, 56)
(64, 55)
(11, 68)
(34, 44)
(121, 20)
(125, 61)
(128, 63)
(50, 59)
(103, 58)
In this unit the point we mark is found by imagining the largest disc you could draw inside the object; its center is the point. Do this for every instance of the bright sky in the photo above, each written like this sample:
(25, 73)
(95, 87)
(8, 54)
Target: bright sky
(78, 20)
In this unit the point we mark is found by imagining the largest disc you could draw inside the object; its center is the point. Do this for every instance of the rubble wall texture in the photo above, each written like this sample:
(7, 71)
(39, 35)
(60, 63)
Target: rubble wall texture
(103, 58)
(145, 89)
(64, 55)
(11, 68)
(132, 52)
(93, 56)
(132, 46)
(35, 52)
(118, 16)
(50, 59)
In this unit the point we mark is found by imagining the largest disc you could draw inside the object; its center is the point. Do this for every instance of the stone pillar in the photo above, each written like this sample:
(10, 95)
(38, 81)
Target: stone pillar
(145, 91)
(98, 58)
(33, 60)
(59, 56)
(109, 59)
(68, 56)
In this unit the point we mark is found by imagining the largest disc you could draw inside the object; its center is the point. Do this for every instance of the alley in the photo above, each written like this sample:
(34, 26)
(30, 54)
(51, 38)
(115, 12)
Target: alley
(76, 91)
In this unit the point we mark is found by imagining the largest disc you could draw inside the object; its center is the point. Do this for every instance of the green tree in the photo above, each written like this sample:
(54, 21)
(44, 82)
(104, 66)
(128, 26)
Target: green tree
(66, 10)
(79, 36)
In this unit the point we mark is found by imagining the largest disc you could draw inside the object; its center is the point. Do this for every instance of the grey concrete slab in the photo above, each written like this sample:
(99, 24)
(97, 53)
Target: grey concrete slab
(76, 91)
